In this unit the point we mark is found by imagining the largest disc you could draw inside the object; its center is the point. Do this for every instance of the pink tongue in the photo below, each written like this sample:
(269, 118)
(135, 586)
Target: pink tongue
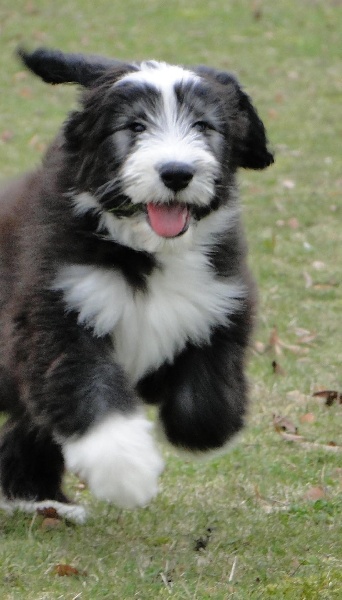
(167, 220)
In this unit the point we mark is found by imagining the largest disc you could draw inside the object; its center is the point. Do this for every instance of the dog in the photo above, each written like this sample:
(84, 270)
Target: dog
(124, 281)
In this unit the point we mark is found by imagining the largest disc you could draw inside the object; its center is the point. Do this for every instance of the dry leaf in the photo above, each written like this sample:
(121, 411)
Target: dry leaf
(318, 265)
(315, 493)
(48, 512)
(283, 424)
(290, 437)
(272, 113)
(308, 339)
(293, 223)
(257, 10)
(295, 348)
(40, 36)
(6, 136)
(65, 570)
(305, 336)
(308, 418)
(277, 369)
(307, 279)
(26, 92)
(324, 286)
(296, 396)
(20, 76)
(81, 486)
(31, 9)
(288, 184)
(330, 396)
(50, 523)
(274, 342)
(259, 347)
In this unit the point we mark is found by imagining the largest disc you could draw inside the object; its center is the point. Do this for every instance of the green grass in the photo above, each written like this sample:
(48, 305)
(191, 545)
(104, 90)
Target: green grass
(266, 540)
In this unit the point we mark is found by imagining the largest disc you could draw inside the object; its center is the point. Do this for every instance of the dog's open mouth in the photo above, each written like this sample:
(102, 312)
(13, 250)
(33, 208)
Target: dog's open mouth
(168, 220)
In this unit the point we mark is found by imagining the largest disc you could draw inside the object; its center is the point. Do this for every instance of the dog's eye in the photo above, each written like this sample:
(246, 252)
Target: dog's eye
(137, 127)
(202, 126)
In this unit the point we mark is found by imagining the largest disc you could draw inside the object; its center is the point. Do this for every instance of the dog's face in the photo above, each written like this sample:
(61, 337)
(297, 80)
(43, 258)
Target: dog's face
(155, 147)
(171, 135)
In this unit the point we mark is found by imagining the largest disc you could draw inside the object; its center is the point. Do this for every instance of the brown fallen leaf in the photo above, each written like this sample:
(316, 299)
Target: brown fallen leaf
(289, 184)
(315, 493)
(63, 570)
(330, 396)
(81, 486)
(259, 347)
(297, 396)
(290, 437)
(48, 512)
(26, 92)
(274, 342)
(31, 9)
(257, 10)
(293, 223)
(307, 279)
(325, 286)
(50, 523)
(308, 418)
(273, 113)
(37, 144)
(319, 265)
(277, 369)
(305, 336)
(6, 136)
(277, 344)
(283, 424)
(20, 76)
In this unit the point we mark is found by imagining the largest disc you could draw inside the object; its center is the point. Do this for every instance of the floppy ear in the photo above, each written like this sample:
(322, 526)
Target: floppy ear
(55, 67)
(249, 136)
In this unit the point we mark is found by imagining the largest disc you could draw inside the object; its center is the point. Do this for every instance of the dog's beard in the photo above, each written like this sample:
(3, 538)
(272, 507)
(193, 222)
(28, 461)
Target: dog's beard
(140, 210)
(149, 226)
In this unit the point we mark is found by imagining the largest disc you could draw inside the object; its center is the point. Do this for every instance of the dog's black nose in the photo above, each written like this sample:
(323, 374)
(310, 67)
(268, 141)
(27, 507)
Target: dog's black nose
(176, 175)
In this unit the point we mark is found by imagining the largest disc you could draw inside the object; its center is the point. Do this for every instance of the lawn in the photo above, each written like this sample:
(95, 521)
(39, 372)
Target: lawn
(264, 521)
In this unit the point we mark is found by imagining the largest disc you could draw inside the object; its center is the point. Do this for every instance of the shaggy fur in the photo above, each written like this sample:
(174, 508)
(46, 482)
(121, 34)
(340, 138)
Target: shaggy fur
(124, 280)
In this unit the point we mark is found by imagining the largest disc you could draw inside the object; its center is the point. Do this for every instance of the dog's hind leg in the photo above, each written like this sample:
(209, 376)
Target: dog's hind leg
(31, 471)
(9, 397)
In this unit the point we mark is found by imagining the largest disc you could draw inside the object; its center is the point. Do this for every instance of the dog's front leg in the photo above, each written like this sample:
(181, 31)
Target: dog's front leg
(203, 394)
(76, 391)
(117, 458)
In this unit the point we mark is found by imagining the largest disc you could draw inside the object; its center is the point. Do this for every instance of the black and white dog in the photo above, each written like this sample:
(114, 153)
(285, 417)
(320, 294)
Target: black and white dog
(123, 280)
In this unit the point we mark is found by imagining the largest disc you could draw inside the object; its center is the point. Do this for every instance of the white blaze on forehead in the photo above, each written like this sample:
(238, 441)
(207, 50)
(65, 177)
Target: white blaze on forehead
(161, 75)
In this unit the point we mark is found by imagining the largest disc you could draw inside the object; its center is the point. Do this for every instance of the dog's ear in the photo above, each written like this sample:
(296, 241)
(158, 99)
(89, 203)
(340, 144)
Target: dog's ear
(249, 136)
(54, 66)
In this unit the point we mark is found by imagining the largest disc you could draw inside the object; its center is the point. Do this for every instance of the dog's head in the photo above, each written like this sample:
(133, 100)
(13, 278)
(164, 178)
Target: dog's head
(154, 144)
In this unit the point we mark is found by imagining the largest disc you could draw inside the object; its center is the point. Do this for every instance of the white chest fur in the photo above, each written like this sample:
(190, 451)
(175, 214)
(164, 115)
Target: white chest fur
(183, 301)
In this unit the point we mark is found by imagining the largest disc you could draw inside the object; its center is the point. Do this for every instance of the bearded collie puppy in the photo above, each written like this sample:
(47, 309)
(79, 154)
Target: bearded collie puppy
(123, 281)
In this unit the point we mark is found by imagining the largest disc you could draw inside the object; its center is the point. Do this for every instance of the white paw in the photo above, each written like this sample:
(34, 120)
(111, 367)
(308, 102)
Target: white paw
(72, 512)
(118, 460)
